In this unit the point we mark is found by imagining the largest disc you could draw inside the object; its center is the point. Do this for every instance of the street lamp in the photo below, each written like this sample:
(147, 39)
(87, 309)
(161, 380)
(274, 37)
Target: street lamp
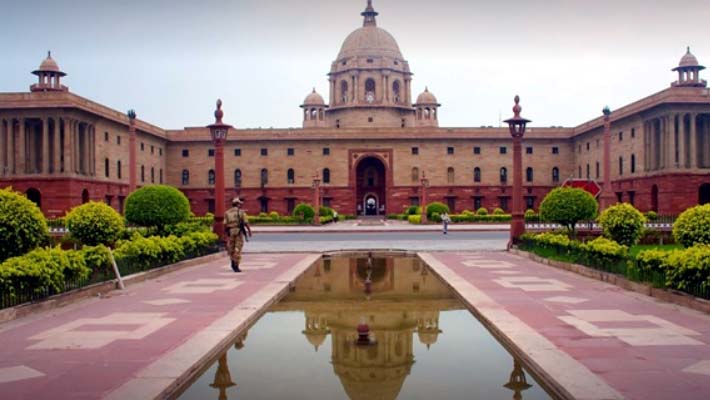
(219, 131)
(606, 198)
(424, 183)
(517, 130)
(316, 199)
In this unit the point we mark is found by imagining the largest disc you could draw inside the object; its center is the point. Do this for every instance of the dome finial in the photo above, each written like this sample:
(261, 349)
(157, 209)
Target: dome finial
(688, 49)
(49, 53)
(369, 15)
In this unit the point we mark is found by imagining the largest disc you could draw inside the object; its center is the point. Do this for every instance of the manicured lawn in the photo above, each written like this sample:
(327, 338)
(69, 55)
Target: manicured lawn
(640, 247)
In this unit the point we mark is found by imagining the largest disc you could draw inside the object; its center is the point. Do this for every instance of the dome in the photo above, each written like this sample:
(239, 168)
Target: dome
(688, 60)
(314, 99)
(49, 65)
(426, 97)
(370, 41)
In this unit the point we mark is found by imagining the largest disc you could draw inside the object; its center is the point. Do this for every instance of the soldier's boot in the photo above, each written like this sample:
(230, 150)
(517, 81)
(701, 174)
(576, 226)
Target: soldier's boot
(235, 266)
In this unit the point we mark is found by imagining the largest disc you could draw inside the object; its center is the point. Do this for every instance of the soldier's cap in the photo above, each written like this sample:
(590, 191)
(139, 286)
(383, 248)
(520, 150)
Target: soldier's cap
(236, 201)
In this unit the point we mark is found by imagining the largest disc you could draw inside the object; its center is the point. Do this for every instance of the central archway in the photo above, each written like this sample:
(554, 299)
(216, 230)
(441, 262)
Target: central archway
(370, 186)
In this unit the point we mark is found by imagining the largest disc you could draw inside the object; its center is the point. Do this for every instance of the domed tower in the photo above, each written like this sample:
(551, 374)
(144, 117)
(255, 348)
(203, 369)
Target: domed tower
(427, 109)
(688, 72)
(314, 111)
(370, 81)
(49, 77)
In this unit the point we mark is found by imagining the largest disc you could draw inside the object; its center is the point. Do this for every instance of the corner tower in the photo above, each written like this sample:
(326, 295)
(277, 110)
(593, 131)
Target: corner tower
(370, 81)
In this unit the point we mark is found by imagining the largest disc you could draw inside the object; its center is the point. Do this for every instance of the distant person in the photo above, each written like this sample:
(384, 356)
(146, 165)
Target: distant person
(237, 228)
(445, 220)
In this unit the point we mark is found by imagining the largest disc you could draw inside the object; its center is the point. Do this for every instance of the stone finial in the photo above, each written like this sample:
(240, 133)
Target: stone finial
(369, 15)
(218, 114)
(516, 108)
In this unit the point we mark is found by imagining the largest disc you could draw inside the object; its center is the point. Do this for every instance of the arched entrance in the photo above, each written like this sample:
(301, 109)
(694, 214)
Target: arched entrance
(704, 194)
(654, 198)
(34, 196)
(370, 186)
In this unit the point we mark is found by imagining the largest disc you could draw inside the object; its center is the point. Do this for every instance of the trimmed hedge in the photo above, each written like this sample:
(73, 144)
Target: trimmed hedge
(94, 223)
(22, 225)
(436, 207)
(304, 212)
(693, 226)
(158, 206)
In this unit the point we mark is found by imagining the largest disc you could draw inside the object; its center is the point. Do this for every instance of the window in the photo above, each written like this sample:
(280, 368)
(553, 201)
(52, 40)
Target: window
(415, 175)
(476, 150)
(237, 178)
(264, 176)
(290, 205)
(210, 152)
(185, 177)
(264, 202)
(118, 169)
(503, 150)
(185, 153)
(528, 174)
(343, 91)
(529, 202)
(587, 146)
(396, 92)
(477, 202)
(476, 174)
(290, 176)
(579, 172)
(237, 152)
(632, 196)
(161, 176)
(555, 175)
(633, 163)
(597, 143)
(326, 175)
(503, 203)
(450, 175)
(105, 136)
(621, 136)
(142, 146)
(633, 133)
(620, 197)
(415, 151)
(264, 152)
(588, 173)
(555, 150)
(152, 174)
(106, 167)
(152, 149)
(142, 173)
(503, 175)
(289, 151)
(528, 150)
(597, 169)
(210, 177)
(449, 150)
(621, 165)
(326, 151)
(337, 123)
(579, 148)
(160, 151)
(370, 119)
(370, 90)
(118, 140)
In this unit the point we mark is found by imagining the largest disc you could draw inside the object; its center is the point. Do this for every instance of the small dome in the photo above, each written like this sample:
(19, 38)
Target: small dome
(426, 97)
(688, 60)
(370, 41)
(314, 99)
(49, 65)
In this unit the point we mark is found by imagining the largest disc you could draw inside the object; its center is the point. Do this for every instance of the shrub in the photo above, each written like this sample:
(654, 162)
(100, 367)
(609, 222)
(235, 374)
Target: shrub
(435, 217)
(415, 219)
(97, 259)
(304, 212)
(263, 215)
(158, 206)
(184, 228)
(467, 213)
(413, 210)
(22, 225)
(531, 216)
(693, 226)
(653, 260)
(498, 211)
(689, 268)
(325, 211)
(274, 215)
(567, 206)
(436, 207)
(482, 211)
(651, 215)
(622, 223)
(94, 223)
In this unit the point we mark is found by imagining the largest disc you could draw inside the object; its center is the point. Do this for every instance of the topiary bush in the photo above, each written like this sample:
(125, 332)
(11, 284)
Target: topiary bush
(482, 211)
(530, 215)
(158, 206)
(413, 210)
(436, 207)
(325, 211)
(22, 225)
(693, 226)
(622, 223)
(94, 223)
(414, 219)
(567, 206)
(651, 215)
(498, 211)
(304, 212)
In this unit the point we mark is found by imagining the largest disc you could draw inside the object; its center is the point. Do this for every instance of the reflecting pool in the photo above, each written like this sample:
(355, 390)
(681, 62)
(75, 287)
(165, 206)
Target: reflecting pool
(367, 328)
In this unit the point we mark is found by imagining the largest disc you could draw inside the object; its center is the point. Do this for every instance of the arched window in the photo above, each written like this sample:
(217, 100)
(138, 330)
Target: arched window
(118, 169)
(185, 177)
(152, 174)
(589, 174)
(106, 168)
(450, 175)
(343, 91)
(426, 113)
(210, 177)
(314, 114)
(415, 174)
(161, 176)
(633, 163)
(503, 175)
(395, 92)
(370, 89)
(290, 176)
(621, 165)
(529, 174)
(237, 178)
(264, 177)
(326, 175)
(476, 174)
(555, 175)
(142, 173)
(579, 172)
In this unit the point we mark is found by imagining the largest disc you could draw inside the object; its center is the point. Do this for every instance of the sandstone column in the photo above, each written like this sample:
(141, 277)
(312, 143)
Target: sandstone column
(3, 145)
(22, 148)
(681, 141)
(57, 164)
(11, 145)
(45, 146)
(693, 142)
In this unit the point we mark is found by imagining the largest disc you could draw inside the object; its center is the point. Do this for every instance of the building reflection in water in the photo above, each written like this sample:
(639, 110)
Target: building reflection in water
(517, 381)
(222, 378)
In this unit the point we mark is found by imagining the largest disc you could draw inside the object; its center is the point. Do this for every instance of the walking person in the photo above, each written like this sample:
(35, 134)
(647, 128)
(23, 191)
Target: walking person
(445, 221)
(237, 228)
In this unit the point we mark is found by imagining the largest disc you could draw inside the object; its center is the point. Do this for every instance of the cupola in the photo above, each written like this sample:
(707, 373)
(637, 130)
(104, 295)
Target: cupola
(427, 109)
(49, 76)
(314, 110)
(688, 72)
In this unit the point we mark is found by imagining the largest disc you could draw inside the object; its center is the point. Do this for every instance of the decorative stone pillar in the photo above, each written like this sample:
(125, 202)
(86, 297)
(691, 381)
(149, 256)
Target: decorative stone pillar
(22, 148)
(517, 126)
(682, 160)
(316, 199)
(693, 142)
(57, 132)
(423, 190)
(132, 158)
(45, 145)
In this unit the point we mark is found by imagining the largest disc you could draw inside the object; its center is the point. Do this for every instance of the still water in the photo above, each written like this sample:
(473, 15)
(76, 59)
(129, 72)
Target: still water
(420, 342)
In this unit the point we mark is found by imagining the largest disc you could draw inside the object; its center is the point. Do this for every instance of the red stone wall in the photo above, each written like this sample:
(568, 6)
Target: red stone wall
(676, 192)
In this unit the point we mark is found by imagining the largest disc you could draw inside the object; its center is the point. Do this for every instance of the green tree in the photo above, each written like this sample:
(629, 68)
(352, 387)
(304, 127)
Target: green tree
(304, 212)
(693, 226)
(94, 223)
(22, 225)
(622, 223)
(567, 206)
(436, 207)
(158, 206)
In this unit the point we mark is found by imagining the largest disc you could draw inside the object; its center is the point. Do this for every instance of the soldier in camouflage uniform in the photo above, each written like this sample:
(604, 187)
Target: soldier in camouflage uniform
(237, 229)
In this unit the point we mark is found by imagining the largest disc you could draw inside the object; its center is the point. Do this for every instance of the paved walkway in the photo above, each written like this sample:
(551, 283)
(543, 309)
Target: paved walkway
(596, 340)
(374, 225)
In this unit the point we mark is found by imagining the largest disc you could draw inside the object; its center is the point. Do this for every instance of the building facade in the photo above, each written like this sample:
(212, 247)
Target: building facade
(371, 146)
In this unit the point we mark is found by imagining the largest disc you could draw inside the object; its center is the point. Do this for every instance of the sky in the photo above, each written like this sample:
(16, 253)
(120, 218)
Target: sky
(171, 60)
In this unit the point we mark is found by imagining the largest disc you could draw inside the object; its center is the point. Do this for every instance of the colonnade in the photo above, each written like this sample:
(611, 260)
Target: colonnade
(47, 145)
(677, 141)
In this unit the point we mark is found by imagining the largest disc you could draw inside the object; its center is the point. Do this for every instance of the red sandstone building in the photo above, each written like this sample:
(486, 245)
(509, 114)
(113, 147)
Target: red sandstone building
(370, 145)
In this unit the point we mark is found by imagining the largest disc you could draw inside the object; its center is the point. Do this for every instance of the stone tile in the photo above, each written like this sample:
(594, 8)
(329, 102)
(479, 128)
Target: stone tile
(201, 286)
(166, 302)
(701, 368)
(533, 284)
(566, 300)
(18, 373)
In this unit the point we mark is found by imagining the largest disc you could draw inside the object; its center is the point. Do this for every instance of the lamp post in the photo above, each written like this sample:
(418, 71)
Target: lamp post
(132, 162)
(316, 199)
(424, 185)
(219, 131)
(517, 130)
(606, 198)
